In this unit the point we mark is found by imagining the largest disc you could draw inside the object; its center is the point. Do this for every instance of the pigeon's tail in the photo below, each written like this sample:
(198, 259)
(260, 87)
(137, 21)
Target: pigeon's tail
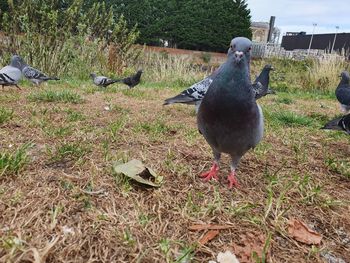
(112, 81)
(52, 78)
(181, 98)
(333, 125)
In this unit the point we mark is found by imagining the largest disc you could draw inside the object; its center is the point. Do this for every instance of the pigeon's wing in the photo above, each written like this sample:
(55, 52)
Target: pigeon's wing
(345, 123)
(343, 95)
(194, 93)
(32, 73)
(9, 75)
(100, 80)
(128, 81)
(258, 88)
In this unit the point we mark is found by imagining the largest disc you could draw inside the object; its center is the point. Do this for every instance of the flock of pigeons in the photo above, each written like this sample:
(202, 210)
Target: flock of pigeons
(10, 75)
(228, 115)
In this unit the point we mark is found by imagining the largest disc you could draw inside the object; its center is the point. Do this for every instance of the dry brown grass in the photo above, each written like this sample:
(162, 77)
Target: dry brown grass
(72, 208)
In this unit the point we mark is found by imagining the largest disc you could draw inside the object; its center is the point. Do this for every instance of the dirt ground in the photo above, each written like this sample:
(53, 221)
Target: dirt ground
(67, 205)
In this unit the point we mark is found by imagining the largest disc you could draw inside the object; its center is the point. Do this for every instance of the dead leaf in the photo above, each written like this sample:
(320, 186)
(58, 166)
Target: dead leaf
(137, 171)
(208, 227)
(208, 236)
(249, 244)
(302, 233)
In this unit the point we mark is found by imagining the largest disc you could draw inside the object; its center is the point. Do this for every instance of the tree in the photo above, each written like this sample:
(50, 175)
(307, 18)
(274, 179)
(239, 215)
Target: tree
(192, 24)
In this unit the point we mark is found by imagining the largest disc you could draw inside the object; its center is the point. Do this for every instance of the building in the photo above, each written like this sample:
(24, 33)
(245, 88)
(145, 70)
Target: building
(260, 31)
(293, 40)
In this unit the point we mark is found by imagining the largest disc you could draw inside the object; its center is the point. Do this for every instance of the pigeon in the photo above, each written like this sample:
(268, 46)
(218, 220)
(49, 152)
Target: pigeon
(11, 74)
(263, 79)
(229, 118)
(102, 81)
(195, 93)
(133, 80)
(339, 124)
(35, 75)
(343, 91)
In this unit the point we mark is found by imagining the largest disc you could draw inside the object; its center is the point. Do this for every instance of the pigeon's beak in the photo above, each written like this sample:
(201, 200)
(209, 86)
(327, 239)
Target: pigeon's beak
(238, 56)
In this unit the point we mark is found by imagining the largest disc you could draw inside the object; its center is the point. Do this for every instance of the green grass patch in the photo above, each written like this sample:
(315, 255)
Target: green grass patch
(13, 162)
(338, 166)
(284, 100)
(288, 118)
(73, 116)
(70, 151)
(5, 115)
(64, 96)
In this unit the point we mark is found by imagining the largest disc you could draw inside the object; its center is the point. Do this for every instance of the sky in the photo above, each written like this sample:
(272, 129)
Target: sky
(299, 15)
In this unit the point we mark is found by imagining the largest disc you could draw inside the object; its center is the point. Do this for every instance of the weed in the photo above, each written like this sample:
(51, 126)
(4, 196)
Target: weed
(64, 96)
(13, 163)
(5, 115)
(69, 152)
(290, 119)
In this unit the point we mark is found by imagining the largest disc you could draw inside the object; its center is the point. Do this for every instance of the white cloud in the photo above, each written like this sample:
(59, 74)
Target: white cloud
(299, 15)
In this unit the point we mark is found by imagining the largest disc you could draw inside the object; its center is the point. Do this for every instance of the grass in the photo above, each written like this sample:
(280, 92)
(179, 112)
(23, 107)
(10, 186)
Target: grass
(64, 96)
(64, 187)
(291, 119)
(5, 115)
(12, 162)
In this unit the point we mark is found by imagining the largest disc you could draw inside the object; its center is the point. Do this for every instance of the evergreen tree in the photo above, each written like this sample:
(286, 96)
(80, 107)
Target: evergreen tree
(192, 24)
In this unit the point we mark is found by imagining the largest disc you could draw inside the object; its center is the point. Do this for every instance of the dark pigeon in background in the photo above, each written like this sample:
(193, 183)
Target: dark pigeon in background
(229, 118)
(264, 79)
(339, 124)
(133, 80)
(11, 74)
(102, 81)
(343, 91)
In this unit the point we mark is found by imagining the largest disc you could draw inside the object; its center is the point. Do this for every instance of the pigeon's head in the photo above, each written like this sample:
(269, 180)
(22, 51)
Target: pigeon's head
(268, 67)
(345, 76)
(140, 71)
(93, 75)
(240, 49)
(17, 62)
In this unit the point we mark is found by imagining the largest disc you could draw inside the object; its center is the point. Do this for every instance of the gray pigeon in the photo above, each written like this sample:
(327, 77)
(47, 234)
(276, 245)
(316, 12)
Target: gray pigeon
(263, 79)
(339, 124)
(11, 74)
(195, 93)
(35, 75)
(343, 91)
(102, 81)
(229, 117)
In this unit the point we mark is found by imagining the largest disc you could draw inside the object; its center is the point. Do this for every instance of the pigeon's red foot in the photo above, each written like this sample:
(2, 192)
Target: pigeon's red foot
(213, 173)
(232, 180)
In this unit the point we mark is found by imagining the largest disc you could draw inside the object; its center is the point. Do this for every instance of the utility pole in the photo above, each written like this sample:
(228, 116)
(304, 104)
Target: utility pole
(312, 36)
(335, 37)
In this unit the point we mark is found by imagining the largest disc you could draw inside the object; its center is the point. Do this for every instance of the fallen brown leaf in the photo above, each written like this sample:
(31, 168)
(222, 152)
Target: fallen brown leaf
(208, 236)
(208, 227)
(249, 243)
(302, 233)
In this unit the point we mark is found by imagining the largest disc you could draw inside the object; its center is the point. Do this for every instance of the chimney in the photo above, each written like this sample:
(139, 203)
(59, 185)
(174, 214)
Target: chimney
(272, 25)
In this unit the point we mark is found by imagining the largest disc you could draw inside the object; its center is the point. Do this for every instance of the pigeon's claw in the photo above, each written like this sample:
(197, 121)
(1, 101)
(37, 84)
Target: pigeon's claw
(232, 180)
(213, 173)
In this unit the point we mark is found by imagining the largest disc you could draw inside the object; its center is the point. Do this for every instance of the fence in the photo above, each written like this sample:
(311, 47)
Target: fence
(266, 50)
